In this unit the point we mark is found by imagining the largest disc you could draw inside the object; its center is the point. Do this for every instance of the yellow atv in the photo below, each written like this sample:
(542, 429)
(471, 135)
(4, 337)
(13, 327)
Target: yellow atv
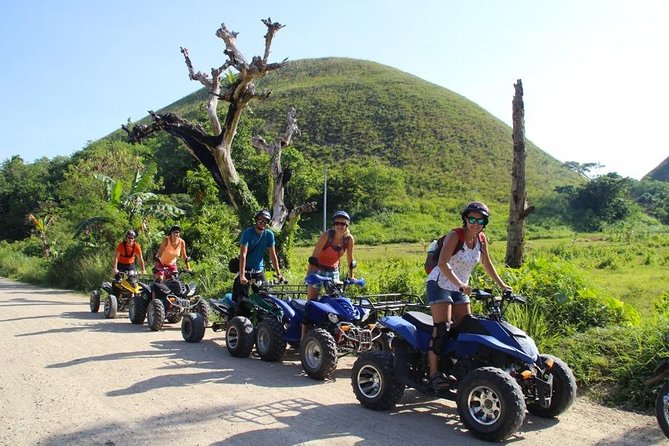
(120, 294)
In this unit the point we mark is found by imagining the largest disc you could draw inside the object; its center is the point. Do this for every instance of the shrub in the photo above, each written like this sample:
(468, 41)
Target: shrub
(612, 362)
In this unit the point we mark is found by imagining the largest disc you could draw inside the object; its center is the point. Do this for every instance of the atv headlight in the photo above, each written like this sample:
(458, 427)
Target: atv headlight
(333, 318)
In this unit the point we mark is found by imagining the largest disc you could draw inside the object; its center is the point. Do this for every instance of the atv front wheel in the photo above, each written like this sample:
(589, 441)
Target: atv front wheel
(239, 337)
(155, 315)
(94, 301)
(270, 340)
(111, 306)
(137, 310)
(374, 382)
(203, 308)
(490, 403)
(318, 353)
(563, 393)
(192, 327)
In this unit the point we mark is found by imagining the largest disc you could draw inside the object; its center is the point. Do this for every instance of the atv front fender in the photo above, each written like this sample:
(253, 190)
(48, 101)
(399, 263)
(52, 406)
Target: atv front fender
(464, 342)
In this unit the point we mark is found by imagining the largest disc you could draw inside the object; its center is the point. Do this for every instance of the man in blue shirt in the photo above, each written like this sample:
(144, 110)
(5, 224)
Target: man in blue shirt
(253, 244)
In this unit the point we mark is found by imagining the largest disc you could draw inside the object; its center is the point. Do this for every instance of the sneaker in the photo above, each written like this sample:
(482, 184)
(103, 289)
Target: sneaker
(439, 382)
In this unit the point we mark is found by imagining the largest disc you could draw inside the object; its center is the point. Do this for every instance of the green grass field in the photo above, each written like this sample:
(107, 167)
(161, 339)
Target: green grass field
(634, 272)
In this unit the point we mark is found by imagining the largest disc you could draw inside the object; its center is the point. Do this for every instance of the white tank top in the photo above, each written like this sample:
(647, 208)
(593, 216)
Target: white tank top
(462, 263)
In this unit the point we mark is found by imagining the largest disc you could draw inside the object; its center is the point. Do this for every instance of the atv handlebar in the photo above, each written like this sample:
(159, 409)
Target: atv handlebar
(317, 279)
(486, 294)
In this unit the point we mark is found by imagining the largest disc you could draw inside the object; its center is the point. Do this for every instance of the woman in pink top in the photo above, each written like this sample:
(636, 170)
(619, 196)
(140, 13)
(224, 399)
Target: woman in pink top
(170, 250)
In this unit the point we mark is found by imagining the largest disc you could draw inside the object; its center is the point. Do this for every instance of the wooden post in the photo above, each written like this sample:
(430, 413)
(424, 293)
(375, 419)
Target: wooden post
(516, 231)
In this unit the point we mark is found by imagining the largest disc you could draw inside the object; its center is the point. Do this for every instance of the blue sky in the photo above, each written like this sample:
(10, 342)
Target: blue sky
(594, 71)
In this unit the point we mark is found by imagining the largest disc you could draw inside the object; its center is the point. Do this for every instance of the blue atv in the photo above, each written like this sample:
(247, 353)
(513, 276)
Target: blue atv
(337, 326)
(495, 369)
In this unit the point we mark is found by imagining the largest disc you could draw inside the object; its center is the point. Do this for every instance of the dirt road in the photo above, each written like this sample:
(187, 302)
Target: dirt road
(71, 377)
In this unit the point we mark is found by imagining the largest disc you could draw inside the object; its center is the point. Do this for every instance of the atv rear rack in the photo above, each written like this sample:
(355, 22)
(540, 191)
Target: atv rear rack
(284, 290)
(391, 303)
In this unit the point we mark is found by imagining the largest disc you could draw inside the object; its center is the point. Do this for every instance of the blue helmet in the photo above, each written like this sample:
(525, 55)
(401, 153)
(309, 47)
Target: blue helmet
(342, 214)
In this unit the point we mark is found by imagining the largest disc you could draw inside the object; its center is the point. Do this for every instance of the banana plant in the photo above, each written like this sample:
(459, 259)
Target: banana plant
(41, 226)
(138, 204)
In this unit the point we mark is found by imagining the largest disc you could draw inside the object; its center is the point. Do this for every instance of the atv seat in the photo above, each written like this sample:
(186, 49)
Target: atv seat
(298, 304)
(422, 321)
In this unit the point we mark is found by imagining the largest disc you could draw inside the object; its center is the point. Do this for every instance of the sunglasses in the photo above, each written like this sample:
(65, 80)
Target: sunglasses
(340, 223)
(130, 238)
(260, 220)
(479, 221)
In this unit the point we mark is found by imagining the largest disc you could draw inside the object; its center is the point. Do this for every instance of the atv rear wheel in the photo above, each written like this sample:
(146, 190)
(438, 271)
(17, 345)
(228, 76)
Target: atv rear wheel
(192, 327)
(318, 353)
(155, 315)
(270, 340)
(374, 382)
(94, 301)
(111, 306)
(137, 310)
(563, 393)
(240, 337)
(490, 403)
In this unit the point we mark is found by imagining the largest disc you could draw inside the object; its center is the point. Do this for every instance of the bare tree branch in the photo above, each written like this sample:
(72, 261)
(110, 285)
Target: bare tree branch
(199, 76)
(272, 28)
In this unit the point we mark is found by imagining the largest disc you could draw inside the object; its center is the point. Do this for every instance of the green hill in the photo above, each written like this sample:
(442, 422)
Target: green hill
(352, 109)
(660, 173)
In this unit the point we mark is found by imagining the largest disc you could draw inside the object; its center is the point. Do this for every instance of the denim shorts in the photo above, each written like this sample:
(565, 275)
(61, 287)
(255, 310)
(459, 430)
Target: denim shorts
(438, 295)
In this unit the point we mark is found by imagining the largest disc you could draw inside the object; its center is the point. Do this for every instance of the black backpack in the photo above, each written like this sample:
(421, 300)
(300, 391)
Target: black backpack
(433, 256)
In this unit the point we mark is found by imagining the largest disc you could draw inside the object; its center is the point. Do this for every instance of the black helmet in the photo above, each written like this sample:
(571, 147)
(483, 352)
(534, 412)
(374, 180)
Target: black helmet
(131, 233)
(476, 206)
(174, 228)
(263, 213)
(342, 214)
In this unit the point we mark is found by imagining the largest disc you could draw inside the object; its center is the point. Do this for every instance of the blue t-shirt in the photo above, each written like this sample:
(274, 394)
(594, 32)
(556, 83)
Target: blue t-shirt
(255, 260)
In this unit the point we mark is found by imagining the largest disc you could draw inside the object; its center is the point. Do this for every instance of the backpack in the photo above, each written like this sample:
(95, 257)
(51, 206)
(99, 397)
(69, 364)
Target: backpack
(435, 248)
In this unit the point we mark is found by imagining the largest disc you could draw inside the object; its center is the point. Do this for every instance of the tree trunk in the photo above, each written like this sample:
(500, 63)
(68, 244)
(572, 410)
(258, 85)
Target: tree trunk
(283, 221)
(517, 207)
(214, 151)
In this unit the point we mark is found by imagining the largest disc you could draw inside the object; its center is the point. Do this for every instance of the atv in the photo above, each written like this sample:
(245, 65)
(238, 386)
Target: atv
(260, 319)
(337, 326)
(172, 300)
(120, 294)
(495, 370)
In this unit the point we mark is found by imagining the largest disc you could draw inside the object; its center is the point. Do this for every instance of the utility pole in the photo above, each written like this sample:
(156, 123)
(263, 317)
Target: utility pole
(325, 201)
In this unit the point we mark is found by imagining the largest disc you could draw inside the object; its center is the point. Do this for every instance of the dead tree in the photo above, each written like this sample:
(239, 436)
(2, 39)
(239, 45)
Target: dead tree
(518, 210)
(214, 151)
(280, 177)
